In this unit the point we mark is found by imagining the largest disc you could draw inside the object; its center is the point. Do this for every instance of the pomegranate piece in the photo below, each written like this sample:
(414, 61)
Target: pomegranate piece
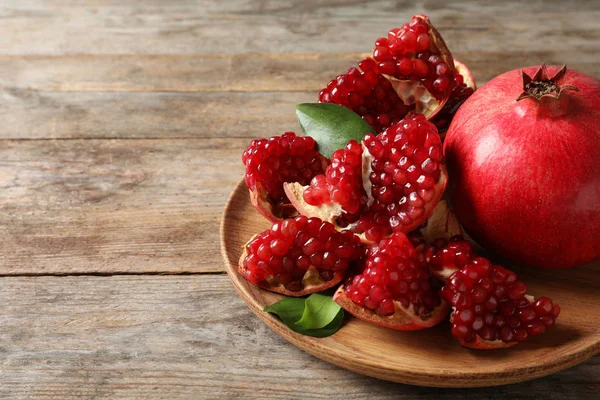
(393, 187)
(298, 256)
(538, 145)
(417, 52)
(271, 162)
(394, 289)
(342, 182)
(412, 70)
(406, 172)
(491, 308)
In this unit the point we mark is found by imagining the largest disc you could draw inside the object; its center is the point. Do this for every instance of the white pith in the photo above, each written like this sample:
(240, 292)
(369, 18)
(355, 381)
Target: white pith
(411, 92)
(367, 160)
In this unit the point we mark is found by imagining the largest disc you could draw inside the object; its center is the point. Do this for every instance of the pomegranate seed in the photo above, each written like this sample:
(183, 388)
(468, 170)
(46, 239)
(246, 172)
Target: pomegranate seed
(421, 68)
(405, 66)
(423, 42)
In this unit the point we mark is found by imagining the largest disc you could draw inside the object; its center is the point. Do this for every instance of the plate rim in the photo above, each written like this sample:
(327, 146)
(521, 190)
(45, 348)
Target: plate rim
(365, 366)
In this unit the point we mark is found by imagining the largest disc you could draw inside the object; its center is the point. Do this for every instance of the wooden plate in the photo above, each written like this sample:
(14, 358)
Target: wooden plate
(432, 357)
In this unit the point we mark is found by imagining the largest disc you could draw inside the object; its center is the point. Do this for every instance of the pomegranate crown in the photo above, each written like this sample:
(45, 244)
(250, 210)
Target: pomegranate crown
(539, 85)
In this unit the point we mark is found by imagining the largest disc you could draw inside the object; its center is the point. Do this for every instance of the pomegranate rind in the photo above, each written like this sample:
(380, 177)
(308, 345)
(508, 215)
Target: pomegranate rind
(274, 213)
(312, 280)
(443, 223)
(403, 319)
(326, 212)
(481, 344)
(416, 93)
(468, 78)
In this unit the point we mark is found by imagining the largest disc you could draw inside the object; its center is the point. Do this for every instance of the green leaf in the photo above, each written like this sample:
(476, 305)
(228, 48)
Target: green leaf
(331, 125)
(329, 329)
(319, 311)
(319, 315)
(289, 309)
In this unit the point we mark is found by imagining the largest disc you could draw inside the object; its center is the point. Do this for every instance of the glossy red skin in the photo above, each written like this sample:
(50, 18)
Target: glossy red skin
(525, 176)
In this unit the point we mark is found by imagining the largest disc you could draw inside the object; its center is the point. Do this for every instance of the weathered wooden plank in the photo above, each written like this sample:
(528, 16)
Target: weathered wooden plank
(227, 107)
(174, 337)
(238, 72)
(32, 115)
(217, 27)
(181, 73)
(111, 206)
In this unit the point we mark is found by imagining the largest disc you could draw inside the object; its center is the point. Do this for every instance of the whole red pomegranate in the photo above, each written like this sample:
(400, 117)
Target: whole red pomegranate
(523, 156)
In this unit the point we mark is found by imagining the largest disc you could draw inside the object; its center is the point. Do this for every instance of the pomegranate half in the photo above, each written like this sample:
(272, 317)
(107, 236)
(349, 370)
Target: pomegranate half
(523, 157)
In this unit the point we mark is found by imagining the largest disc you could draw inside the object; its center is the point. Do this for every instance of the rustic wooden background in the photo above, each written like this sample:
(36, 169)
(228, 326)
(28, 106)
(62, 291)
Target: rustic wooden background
(122, 126)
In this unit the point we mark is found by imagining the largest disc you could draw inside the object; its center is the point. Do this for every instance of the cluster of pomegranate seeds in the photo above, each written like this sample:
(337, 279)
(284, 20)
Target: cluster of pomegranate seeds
(425, 251)
(459, 95)
(342, 181)
(489, 301)
(393, 273)
(286, 158)
(284, 254)
(374, 225)
(446, 257)
(368, 93)
(405, 170)
(416, 52)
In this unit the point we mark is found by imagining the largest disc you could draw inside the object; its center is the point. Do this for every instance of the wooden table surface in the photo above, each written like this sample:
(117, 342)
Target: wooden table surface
(123, 124)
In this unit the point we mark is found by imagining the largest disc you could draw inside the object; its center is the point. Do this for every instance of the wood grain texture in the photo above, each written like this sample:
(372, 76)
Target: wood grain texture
(126, 337)
(237, 72)
(114, 206)
(431, 357)
(75, 115)
(280, 26)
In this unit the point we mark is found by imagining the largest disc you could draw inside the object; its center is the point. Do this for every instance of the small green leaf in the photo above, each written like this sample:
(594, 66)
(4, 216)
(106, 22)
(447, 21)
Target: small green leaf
(331, 125)
(291, 310)
(329, 329)
(319, 311)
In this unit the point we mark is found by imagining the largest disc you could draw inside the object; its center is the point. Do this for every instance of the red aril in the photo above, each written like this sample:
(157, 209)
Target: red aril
(523, 155)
